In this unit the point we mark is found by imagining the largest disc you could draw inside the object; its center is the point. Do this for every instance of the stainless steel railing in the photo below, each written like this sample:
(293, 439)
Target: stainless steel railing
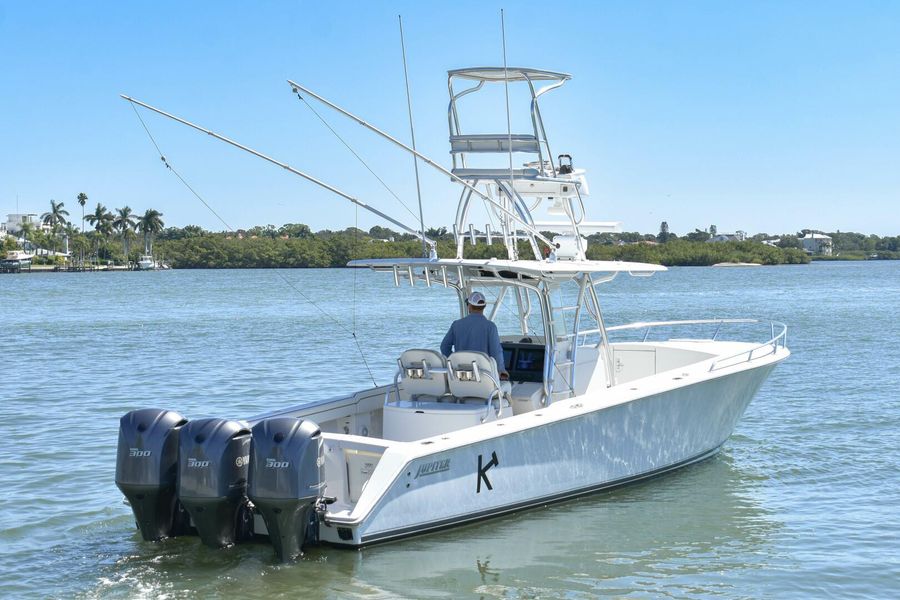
(771, 346)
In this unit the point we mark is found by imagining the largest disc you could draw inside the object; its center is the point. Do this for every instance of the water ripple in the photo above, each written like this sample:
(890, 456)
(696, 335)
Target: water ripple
(801, 503)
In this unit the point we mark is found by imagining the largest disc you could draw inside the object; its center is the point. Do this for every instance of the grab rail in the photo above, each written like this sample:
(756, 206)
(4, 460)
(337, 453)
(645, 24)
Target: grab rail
(779, 339)
(773, 343)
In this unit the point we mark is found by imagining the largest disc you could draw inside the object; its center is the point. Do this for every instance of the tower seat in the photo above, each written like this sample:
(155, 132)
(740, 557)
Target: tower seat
(491, 142)
(493, 174)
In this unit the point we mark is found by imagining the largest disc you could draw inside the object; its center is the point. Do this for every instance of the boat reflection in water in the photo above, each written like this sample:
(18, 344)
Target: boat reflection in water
(678, 531)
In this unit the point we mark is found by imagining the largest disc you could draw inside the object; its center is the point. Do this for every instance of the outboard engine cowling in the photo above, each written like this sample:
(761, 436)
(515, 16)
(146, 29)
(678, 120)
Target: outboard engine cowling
(212, 479)
(286, 481)
(146, 468)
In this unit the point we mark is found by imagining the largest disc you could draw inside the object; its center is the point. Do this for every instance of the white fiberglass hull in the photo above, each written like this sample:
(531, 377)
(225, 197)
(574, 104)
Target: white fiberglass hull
(570, 452)
(146, 263)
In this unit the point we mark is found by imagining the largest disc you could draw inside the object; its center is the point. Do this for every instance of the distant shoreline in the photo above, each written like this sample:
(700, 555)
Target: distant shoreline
(124, 269)
(295, 245)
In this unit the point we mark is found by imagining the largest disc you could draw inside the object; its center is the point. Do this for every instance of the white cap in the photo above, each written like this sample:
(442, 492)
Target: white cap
(476, 299)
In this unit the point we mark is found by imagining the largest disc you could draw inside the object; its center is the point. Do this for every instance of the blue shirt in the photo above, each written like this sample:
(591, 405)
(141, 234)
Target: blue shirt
(474, 333)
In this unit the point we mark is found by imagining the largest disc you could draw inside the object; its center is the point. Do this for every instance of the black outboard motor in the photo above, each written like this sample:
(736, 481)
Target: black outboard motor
(146, 467)
(212, 479)
(286, 481)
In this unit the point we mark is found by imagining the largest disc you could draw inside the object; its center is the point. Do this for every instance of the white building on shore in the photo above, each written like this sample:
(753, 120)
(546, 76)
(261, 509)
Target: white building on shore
(817, 243)
(737, 236)
(14, 222)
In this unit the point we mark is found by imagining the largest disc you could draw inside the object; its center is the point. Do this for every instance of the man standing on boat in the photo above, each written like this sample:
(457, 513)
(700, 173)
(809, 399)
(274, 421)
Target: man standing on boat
(475, 333)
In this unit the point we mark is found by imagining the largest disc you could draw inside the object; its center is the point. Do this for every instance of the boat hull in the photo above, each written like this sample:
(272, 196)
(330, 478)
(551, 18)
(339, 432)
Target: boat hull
(560, 459)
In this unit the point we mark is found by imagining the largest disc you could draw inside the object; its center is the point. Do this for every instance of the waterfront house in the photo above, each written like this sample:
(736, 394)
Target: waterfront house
(817, 243)
(14, 222)
(737, 236)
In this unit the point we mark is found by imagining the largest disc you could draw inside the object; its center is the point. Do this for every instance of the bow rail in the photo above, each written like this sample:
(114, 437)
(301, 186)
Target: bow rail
(778, 339)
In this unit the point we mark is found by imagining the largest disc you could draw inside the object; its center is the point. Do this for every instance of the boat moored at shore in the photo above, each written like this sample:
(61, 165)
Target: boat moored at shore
(16, 261)
(146, 263)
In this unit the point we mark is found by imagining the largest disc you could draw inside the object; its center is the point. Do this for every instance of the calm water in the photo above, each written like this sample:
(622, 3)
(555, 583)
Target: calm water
(803, 501)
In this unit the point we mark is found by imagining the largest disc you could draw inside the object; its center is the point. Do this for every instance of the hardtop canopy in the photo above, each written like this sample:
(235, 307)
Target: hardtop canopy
(537, 269)
(499, 74)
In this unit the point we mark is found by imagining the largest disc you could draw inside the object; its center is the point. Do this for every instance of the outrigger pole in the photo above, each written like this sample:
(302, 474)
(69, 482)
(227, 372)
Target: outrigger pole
(529, 228)
(512, 184)
(412, 131)
(288, 167)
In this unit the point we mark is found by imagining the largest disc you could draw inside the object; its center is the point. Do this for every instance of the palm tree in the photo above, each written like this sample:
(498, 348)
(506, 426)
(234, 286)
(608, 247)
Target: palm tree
(56, 218)
(70, 233)
(150, 224)
(102, 220)
(82, 200)
(124, 223)
(57, 214)
(27, 230)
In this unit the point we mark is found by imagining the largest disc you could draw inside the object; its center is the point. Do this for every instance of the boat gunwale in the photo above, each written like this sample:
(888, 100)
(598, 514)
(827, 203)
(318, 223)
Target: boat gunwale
(552, 414)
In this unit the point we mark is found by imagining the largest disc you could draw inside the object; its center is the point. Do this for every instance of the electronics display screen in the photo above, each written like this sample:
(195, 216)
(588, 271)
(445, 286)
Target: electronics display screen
(524, 362)
(529, 360)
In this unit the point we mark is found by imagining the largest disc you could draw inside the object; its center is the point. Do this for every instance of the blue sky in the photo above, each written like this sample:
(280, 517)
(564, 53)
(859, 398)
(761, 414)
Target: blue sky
(762, 116)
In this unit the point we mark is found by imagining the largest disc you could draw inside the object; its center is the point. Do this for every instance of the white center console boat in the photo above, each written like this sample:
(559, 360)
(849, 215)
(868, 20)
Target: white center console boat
(447, 442)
